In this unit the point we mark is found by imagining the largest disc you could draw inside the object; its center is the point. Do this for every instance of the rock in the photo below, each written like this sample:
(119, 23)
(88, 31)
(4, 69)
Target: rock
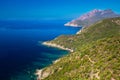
(92, 17)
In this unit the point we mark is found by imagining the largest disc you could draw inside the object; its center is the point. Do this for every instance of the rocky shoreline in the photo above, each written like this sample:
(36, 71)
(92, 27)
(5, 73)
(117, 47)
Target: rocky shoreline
(45, 72)
(71, 24)
(41, 73)
(57, 46)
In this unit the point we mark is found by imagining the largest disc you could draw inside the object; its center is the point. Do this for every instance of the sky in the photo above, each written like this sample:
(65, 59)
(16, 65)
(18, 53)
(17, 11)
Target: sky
(52, 9)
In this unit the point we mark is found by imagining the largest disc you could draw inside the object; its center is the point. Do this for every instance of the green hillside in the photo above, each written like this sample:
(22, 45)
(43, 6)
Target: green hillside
(96, 54)
(102, 29)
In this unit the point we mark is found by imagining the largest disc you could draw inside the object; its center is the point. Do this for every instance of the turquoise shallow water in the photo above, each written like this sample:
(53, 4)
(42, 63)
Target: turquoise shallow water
(20, 52)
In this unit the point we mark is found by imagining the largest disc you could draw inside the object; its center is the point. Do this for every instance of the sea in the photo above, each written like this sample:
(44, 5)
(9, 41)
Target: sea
(21, 49)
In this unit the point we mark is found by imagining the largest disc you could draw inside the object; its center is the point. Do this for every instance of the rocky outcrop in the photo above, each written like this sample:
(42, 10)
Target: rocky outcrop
(92, 17)
(43, 73)
(57, 46)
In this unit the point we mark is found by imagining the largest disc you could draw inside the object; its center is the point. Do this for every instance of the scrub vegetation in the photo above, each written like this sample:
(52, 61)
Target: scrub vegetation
(96, 54)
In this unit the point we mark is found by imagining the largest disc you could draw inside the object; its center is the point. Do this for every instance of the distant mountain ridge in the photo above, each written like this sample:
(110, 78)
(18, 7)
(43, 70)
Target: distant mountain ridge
(92, 17)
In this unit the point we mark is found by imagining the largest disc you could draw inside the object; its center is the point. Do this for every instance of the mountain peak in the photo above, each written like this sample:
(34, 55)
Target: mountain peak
(109, 10)
(92, 17)
(96, 10)
(99, 10)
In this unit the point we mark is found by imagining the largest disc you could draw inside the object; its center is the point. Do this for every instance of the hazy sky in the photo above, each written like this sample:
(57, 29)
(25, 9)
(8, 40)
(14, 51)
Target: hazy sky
(52, 9)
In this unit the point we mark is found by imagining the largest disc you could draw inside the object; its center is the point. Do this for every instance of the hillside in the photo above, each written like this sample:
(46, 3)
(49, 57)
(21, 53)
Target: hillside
(96, 54)
(92, 17)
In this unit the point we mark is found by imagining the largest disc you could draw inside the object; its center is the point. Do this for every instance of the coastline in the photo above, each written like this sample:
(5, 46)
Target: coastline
(41, 73)
(57, 46)
(45, 72)
(74, 25)
(79, 31)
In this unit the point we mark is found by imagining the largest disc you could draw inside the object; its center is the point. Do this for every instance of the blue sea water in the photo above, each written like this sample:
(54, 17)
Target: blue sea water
(20, 52)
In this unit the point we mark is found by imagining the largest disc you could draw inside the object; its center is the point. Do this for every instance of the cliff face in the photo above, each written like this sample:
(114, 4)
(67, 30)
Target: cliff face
(96, 54)
(92, 17)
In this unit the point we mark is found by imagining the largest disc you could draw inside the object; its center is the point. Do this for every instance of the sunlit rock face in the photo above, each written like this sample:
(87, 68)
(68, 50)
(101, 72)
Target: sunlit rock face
(92, 17)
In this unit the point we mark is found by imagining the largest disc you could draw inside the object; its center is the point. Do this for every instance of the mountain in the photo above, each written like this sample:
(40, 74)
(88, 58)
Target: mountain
(92, 17)
(96, 54)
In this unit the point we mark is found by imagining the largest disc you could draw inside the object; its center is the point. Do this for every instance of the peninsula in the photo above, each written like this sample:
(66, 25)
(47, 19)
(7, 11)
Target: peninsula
(96, 54)
(57, 46)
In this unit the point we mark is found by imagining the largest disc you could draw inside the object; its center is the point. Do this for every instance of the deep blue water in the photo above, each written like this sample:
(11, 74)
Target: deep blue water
(20, 52)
